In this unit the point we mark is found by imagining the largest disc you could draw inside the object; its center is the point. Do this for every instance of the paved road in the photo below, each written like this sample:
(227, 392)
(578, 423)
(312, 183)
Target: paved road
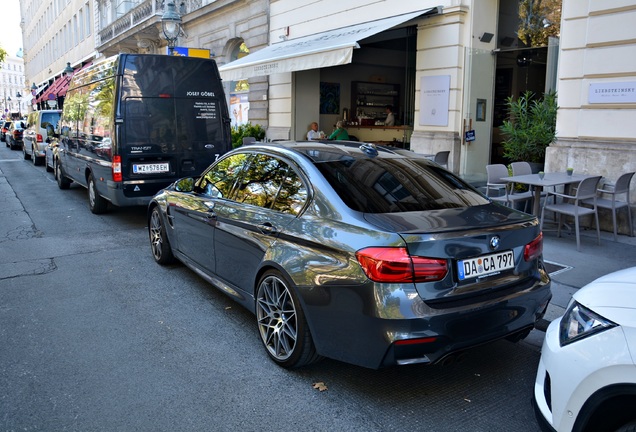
(95, 336)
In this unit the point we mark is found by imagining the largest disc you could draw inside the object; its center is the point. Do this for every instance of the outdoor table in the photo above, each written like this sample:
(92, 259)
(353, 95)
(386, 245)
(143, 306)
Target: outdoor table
(549, 179)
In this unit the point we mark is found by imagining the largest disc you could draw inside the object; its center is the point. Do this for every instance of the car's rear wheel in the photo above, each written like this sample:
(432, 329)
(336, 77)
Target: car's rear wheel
(24, 153)
(96, 202)
(282, 324)
(159, 244)
(62, 181)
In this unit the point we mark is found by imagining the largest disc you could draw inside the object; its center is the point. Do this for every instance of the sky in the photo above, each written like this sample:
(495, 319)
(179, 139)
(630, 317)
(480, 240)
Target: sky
(11, 34)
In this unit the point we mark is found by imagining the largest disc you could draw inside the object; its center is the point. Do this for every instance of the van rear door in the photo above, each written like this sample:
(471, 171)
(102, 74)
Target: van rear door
(166, 138)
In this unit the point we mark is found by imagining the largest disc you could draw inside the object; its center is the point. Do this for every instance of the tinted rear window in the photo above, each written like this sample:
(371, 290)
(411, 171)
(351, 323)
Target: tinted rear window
(49, 119)
(393, 185)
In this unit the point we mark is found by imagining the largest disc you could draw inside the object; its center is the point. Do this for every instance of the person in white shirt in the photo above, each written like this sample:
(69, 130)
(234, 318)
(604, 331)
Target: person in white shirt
(390, 118)
(313, 133)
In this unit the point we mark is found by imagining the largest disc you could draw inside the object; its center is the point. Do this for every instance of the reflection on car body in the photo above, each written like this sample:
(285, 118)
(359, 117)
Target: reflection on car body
(352, 252)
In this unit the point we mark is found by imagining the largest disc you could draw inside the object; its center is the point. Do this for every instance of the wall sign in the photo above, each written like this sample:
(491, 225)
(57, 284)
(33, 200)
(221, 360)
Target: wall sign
(434, 97)
(615, 92)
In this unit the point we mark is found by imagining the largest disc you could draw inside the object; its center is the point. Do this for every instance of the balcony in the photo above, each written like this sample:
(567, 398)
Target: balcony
(139, 22)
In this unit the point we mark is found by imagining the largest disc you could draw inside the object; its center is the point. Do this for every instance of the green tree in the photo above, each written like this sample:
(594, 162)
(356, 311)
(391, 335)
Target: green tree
(540, 19)
(3, 54)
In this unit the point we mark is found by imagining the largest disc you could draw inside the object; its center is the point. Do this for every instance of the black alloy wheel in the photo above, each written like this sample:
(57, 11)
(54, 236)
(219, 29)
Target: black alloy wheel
(159, 244)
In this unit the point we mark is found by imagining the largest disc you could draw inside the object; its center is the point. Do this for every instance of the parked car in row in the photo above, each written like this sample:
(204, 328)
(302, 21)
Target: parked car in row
(586, 380)
(40, 125)
(14, 135)
(3, 131)
(355, 252)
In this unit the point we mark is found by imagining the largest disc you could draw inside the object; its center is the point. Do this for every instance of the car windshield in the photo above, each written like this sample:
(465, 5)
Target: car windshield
(391, 185)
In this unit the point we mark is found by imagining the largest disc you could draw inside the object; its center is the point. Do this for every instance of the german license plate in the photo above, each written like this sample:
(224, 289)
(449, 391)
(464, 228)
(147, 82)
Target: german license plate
(151, 168)
(485, 265)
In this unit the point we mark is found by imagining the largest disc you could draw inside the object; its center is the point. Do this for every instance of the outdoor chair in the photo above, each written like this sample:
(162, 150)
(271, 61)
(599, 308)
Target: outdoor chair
(248, 140)
(505, 190)
(620, 187)
(573, 205)
(441, 158)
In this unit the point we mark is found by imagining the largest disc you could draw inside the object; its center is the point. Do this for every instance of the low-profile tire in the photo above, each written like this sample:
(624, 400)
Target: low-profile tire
(62, 181)
(96, 202)
(282, 324)
(159, 243)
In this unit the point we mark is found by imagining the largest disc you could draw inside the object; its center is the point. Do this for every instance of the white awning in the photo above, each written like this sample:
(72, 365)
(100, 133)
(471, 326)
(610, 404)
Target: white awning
(330, 48)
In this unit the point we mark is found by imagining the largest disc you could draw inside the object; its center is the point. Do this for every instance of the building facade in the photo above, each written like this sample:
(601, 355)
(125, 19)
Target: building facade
(446, 68)
(15, 101)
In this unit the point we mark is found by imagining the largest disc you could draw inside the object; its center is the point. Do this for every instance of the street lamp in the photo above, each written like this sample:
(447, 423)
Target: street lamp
(19, 96)
(171, 25)
(9, 114)
(68, 70)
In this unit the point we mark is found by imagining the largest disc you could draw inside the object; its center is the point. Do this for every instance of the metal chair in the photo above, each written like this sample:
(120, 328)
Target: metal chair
(620, 187)
(441, 158)
(572, 205)
(495, 173)
(248, 140)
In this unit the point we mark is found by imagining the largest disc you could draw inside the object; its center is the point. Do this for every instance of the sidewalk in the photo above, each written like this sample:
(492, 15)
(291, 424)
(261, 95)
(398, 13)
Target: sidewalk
(571, 269)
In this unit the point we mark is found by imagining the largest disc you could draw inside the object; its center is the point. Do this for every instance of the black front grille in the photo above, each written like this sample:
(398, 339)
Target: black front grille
(547, 390)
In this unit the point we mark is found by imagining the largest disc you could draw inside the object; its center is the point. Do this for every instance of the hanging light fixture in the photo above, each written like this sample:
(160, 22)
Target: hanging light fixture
(171, 25)
(68, 70)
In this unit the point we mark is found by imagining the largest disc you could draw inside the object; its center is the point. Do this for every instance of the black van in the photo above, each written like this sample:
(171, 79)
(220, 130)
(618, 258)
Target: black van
(134, 123)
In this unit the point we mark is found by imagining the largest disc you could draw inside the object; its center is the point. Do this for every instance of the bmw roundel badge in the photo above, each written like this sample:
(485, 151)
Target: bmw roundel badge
(494, 243)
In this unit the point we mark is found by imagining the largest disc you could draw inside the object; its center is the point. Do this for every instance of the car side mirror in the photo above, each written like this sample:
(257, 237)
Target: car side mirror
(184, 185)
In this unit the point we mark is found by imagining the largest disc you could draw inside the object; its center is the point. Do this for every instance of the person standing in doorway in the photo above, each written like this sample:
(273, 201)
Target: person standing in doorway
(390, 118)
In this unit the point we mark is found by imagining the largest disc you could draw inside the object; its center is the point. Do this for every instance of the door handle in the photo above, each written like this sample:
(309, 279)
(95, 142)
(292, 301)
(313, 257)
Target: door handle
(267, 228)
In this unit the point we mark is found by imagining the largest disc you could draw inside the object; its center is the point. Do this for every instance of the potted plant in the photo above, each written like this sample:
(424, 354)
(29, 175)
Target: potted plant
(530, 128)
(246, 130)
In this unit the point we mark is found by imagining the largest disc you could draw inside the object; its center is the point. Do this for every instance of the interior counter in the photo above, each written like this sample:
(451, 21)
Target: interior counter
(401, 134)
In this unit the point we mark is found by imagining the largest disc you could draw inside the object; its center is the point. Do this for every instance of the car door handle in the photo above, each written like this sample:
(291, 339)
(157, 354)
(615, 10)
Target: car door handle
(267, 228)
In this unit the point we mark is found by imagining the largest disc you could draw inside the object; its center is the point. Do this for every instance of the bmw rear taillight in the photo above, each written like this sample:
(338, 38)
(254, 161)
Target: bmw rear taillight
(533, 249)
(395, 265)
(38, 137)
(117, 168)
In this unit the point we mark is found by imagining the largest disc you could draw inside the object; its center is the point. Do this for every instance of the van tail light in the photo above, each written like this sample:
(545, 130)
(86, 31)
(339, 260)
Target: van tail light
(117, 168)
(38, 137)
(395, 265)
(533, 249)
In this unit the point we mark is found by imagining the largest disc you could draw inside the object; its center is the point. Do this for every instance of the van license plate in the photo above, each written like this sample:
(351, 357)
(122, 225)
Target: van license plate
(151, 168)
(485, 265)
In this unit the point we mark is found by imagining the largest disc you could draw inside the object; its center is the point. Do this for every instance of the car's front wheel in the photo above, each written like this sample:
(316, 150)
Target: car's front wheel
(24, 153)
(282, 324)
(96, 202)
(159, 244)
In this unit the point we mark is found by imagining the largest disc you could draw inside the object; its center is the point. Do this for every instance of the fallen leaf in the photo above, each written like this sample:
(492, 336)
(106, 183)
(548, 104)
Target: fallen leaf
(320, 386)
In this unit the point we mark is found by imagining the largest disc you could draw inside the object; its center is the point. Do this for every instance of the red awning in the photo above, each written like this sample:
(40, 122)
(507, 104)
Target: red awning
(58, 88)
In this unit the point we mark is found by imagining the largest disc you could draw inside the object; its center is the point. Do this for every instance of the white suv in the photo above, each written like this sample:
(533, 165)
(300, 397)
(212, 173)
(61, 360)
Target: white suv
(586, 379)
(39, 125)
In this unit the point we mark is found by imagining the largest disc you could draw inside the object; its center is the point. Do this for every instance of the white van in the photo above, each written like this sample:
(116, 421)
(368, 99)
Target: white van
(39, 125)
